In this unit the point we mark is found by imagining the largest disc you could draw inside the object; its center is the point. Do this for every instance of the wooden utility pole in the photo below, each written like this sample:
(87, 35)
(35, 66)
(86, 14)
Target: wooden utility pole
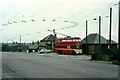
(99, 29)
(99, 48)
(20, 42)
(119, 34)
(53, 44)
(20, 39)
(86, 37)
(109, 42)
(110, 29)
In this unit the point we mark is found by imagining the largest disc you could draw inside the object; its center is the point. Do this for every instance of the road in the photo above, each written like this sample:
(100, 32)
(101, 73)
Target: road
(30, 65)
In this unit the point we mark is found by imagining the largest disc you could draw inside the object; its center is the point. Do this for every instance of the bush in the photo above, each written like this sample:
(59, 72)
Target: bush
(105, 57)
(116, 62)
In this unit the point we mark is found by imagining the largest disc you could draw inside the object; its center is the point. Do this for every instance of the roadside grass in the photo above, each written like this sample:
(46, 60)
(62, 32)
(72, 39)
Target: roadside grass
(105, 57)
(116, 62)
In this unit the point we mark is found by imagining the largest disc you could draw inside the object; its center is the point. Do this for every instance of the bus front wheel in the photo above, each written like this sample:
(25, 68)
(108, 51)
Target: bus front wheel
(60, 52)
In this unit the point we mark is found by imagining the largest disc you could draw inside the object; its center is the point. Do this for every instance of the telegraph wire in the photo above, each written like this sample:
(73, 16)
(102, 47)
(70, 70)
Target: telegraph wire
(94, 11)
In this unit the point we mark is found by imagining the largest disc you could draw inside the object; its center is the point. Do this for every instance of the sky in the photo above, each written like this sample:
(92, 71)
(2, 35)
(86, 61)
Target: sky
(25, 18)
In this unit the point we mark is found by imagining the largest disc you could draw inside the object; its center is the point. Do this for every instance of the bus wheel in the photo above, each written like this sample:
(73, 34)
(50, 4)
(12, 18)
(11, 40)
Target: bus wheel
(60, 52)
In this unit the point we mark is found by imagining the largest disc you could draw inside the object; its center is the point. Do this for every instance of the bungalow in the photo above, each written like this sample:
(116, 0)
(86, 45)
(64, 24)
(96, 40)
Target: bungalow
(92, 46)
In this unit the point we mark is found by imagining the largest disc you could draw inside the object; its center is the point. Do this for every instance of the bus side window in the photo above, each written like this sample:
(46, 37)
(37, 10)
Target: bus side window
(68, 47)
(77, 47)
(73, 46)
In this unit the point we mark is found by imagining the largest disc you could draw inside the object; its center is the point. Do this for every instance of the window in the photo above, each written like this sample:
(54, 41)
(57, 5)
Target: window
(77, 47)
(68, 47)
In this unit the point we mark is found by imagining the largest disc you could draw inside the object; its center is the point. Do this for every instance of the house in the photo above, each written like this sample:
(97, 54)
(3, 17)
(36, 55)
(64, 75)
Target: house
(49, 41)
(14, 47)
(35, 47)
(92, 46)
(92, 43)
(46, 42)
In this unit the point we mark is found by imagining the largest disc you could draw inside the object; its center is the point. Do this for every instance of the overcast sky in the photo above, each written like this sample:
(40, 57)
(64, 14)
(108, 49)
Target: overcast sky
(13, 13)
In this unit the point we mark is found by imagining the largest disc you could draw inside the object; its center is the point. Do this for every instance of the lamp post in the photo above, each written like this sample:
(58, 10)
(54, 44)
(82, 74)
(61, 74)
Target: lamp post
(86, 37)
(99, 43)
(110, 32)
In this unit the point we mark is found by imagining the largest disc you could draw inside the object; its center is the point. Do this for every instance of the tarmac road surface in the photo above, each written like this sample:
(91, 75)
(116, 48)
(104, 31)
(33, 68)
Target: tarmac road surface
(25, 65)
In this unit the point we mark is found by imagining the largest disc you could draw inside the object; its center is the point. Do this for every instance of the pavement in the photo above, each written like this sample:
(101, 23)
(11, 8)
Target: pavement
(83, 57)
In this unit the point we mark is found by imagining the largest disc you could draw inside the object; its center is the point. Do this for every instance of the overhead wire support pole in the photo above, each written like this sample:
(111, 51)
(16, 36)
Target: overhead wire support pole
(86, 37)
(118, 37)
(99, 29)
(20, 42)
(119, 33)
(110, 29)
(54, 40)
(99, 51)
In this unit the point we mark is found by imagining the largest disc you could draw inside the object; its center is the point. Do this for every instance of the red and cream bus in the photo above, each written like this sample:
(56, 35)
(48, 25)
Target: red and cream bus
(71, 45)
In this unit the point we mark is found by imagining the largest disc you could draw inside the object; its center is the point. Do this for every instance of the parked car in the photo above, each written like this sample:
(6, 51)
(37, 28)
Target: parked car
(45, 51)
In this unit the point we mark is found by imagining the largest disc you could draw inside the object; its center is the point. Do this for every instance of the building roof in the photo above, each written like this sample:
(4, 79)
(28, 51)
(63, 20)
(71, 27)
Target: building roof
(94, 39)
(13, 44)
(49, 38)
(36, 45)
(33, 47)
(112, 42)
